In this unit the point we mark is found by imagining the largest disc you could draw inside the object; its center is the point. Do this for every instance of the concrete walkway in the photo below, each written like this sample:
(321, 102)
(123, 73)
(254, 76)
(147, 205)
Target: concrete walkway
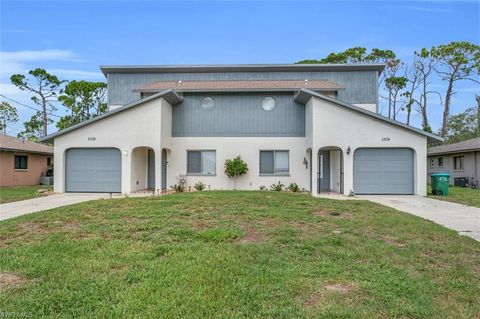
(464, 219)
(14, 209)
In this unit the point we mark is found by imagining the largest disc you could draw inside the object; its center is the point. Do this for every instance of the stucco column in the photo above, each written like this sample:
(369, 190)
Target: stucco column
(59, 170)
(126, 170)
(348, 171)
(314, 171)
(158, 169)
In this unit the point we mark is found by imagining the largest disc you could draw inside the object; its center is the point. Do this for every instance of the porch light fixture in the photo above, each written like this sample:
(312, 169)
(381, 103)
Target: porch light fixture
(125, 152)
(305, 162)
(207, 103)
(349, 150)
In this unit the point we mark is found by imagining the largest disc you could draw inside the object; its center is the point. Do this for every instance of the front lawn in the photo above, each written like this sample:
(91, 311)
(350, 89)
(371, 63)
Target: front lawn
(466, 196)
(235, 255)
(16, 193)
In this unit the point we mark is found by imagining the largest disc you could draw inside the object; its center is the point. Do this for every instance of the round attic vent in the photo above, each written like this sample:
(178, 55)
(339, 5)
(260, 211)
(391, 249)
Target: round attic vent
(207, 103)
(268, 103)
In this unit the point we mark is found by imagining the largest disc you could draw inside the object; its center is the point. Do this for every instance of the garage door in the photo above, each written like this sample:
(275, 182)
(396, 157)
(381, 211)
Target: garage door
(93, 170)
(383, 171)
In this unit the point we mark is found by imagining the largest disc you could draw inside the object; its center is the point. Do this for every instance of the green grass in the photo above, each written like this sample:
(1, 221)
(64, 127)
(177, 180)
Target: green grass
(237, 255)
(466, 196)
(16, 193)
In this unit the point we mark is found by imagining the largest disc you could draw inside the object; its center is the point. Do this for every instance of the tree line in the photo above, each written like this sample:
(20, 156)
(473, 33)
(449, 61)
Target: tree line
(407, 86)
(82, 100)
(404, 87)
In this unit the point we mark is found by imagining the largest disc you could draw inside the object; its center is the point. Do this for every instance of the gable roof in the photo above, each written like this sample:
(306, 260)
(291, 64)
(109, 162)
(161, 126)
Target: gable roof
(460, 147)
(169, 95)
(304, 95)
(106, 69)
(250, 85)
(10, 143)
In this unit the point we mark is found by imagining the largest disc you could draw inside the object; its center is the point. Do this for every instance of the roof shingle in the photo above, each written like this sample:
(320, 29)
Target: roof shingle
(10, 143)
(324, 85)
(468, 145)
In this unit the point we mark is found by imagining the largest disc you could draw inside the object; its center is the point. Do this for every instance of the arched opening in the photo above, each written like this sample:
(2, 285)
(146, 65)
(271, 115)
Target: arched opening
(330, 170)
(142, 169)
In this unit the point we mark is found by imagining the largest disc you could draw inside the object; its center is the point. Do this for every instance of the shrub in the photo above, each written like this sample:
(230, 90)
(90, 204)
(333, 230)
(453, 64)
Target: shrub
(277, 187)
(178, 188)
(293, 187)
(235, 167)
(263, 188)
(199, 186)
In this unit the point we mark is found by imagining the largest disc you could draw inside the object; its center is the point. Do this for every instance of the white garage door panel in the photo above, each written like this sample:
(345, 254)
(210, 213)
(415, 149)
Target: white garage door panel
(93, 170)
(383, 171)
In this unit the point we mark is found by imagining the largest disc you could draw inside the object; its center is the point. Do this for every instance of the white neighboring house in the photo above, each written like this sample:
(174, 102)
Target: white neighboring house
(315, 125)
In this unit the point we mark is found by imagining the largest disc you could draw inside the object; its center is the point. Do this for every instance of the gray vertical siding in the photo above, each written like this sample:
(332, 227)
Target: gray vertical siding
(360, 86)
(238, 114)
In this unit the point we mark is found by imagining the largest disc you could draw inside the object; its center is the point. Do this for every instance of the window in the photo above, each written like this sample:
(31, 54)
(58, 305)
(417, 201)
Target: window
(21, 162)
(432, 163)
(458, 163)
(49, 161)
(274, 163)
(201, 162)
(207, 103)
(268, 103)
(440, 162)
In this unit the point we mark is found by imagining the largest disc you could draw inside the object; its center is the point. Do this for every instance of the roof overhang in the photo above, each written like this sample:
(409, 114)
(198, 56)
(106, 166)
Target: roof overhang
(453, 152)
(168, 95)
(221, 68)
(17, 150)
(304, 95)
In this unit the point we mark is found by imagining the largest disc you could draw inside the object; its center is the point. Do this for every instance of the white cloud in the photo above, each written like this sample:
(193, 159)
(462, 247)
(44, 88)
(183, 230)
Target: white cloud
(77, 74)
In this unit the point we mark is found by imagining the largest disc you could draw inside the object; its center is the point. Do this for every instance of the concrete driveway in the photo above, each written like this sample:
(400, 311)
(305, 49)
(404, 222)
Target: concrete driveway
(463, 219)
(14, 209)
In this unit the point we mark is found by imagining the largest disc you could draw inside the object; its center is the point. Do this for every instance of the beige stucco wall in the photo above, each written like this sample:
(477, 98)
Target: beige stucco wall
(471, 164)
(37, 165)
(340, 127)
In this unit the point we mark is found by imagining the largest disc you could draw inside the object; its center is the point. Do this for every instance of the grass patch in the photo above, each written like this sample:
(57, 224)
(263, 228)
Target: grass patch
(236, 255)
(466, 196)
(17, 193)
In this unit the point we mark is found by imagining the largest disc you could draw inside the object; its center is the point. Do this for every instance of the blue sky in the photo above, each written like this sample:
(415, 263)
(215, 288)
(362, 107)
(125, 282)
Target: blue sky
(72, 38)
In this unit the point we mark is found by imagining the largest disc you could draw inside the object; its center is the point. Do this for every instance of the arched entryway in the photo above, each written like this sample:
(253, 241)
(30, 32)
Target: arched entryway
(142, 169)
(330, 170)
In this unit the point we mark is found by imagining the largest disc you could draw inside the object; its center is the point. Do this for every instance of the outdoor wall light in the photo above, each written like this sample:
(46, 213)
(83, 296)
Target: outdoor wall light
(125, 152)
(349, 150)
(305, 162)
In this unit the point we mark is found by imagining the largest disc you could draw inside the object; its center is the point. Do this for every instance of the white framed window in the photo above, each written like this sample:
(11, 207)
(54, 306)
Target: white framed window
(202, 162)
(20, 162)
(458, 163)
(268, 103)
(440, 162)
(274, 162)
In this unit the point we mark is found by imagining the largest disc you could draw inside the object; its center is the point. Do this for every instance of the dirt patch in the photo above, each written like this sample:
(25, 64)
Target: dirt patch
(9, 279)
(392, 241)
(326, 213)
(251, 236)
(341, 288)
(313, 300)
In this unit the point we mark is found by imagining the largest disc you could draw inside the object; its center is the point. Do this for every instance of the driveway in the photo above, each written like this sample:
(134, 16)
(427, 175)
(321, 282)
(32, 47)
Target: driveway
(463, 219)
(14, 209)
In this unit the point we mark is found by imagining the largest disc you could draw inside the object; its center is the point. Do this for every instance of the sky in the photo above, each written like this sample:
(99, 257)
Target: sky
(71, 39)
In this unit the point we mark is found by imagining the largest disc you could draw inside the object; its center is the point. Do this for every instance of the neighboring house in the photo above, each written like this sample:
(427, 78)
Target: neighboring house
(461, 160)
(23, 162)
(315, 125)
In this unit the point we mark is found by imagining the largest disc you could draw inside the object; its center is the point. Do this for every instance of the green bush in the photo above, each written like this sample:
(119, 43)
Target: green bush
(178, 188)
(199, 186)
(277, 187)
(293, 187)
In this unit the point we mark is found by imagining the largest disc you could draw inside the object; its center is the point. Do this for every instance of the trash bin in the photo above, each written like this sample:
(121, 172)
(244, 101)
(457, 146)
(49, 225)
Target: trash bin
(440, 183)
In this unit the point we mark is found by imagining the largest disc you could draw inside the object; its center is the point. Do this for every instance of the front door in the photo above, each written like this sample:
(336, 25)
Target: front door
(164, 170)
(151, 169)
(324, 170)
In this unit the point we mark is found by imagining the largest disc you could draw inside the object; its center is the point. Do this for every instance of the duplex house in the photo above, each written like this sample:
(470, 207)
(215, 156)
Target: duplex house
(315, 125)
(461, 160)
